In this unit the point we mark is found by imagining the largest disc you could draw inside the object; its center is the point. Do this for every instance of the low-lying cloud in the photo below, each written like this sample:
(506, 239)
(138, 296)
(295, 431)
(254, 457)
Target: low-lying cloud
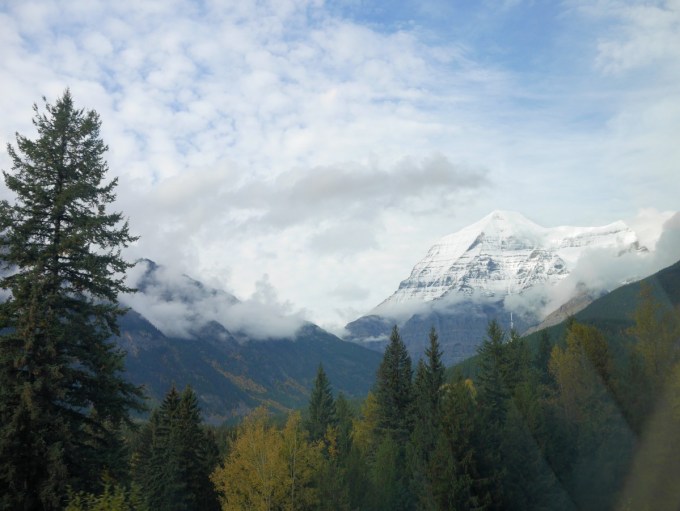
(597, 271)
(180, 306)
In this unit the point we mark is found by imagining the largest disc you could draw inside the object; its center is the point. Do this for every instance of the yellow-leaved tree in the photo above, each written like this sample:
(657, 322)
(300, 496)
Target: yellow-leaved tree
(269, 469)
(582, 372)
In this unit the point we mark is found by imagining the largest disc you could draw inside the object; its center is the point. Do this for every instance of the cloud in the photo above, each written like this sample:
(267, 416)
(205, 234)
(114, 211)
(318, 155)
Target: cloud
(646, 34)
(353, 190)
(180, 306)
(303, 139)
(598, 270)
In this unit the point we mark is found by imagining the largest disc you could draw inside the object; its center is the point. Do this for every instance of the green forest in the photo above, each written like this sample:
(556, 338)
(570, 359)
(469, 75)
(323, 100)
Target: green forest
(580, 421)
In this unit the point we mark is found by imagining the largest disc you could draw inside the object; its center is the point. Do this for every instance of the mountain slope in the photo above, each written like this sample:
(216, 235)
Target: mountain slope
(231, 373)
(503, 267)
(503, 254)
(611, 313)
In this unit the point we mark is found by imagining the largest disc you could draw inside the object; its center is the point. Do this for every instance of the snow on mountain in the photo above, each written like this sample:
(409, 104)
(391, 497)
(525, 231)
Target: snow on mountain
(512, 270)
(504, 254)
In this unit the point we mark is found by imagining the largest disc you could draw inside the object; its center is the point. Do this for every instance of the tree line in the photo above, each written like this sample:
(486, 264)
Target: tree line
(566, 426)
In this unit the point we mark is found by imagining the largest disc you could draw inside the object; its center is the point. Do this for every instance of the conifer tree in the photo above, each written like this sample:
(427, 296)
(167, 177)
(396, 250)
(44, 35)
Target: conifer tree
(345, 417)
(427, 391)
(62, 395)
(393, 389)
(394, 399)
(175, 457)
(456, 482)
(322, 411)
(493, 374)
(494, 398)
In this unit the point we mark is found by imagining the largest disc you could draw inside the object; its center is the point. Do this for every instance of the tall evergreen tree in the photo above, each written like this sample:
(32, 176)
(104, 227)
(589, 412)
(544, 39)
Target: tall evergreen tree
(493, 361)
(394, 400)
(453, 469)
(322, 411)
(393, 389)
(494, 399)
(175, 457)
(427, 396)
(63, 396)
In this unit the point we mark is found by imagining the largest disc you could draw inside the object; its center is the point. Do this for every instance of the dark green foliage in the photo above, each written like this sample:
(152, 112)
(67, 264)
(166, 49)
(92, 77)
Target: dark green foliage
(543, 357)
(427, 396)
(388, 490)
(345, 415)
(321, 407)
(453, 467)
(493, 370)
(62, 396)
(175, 456)
(393, 389)
(394, 399)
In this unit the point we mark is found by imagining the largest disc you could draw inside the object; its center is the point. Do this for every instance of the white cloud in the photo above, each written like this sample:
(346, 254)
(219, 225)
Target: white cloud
(315, 143)
(598, 270)
(180, 306)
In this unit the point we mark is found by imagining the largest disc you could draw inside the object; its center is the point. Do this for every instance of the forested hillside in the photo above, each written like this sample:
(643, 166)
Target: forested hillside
(569, 427)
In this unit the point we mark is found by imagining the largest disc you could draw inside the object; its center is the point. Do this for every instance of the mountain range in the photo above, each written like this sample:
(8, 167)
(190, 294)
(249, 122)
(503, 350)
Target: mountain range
(503, 267)
(238, 355)
(231, 372)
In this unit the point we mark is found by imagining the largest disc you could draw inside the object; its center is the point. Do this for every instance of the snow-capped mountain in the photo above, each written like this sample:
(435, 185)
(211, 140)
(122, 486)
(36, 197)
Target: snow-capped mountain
(505, 253)
(502, 264)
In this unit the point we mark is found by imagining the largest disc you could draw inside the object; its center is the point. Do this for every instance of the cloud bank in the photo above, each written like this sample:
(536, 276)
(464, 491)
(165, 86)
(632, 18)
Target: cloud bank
(180, 306)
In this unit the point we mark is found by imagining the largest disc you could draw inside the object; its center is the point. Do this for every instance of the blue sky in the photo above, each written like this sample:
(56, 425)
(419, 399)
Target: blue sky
(317, 149)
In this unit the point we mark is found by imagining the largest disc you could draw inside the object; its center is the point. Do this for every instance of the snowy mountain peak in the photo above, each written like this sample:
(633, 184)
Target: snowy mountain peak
(505, 253)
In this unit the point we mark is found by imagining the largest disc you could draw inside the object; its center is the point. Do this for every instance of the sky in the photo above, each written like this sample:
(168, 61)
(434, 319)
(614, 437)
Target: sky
(308, 153)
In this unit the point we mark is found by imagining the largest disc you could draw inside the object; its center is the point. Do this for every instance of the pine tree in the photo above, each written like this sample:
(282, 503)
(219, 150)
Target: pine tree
(493, 361)
(63, 396)
(345, 416)
(393, 389)
(175, 457)
(456, 482)
(494, 399)
(394, 399)
(427, 396)
(322, 413)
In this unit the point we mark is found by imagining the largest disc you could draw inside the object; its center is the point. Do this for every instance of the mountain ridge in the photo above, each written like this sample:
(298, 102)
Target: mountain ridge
(504, 253)
(500, 265)
(231, 372)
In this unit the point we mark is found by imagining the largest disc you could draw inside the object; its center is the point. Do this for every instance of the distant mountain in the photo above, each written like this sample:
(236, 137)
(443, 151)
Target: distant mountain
(501, 265)
(504, 254)
(231, 372)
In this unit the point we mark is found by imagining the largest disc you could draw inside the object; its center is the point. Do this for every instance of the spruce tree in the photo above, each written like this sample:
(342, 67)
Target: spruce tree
(393, 389)
(494, 400)
(493, 375)
(394, 399)
(322, 411)
(175, 456)
(427, 396)
(63, 395)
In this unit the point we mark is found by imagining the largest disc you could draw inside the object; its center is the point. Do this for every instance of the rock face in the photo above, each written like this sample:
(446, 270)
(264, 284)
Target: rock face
(467, 277)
